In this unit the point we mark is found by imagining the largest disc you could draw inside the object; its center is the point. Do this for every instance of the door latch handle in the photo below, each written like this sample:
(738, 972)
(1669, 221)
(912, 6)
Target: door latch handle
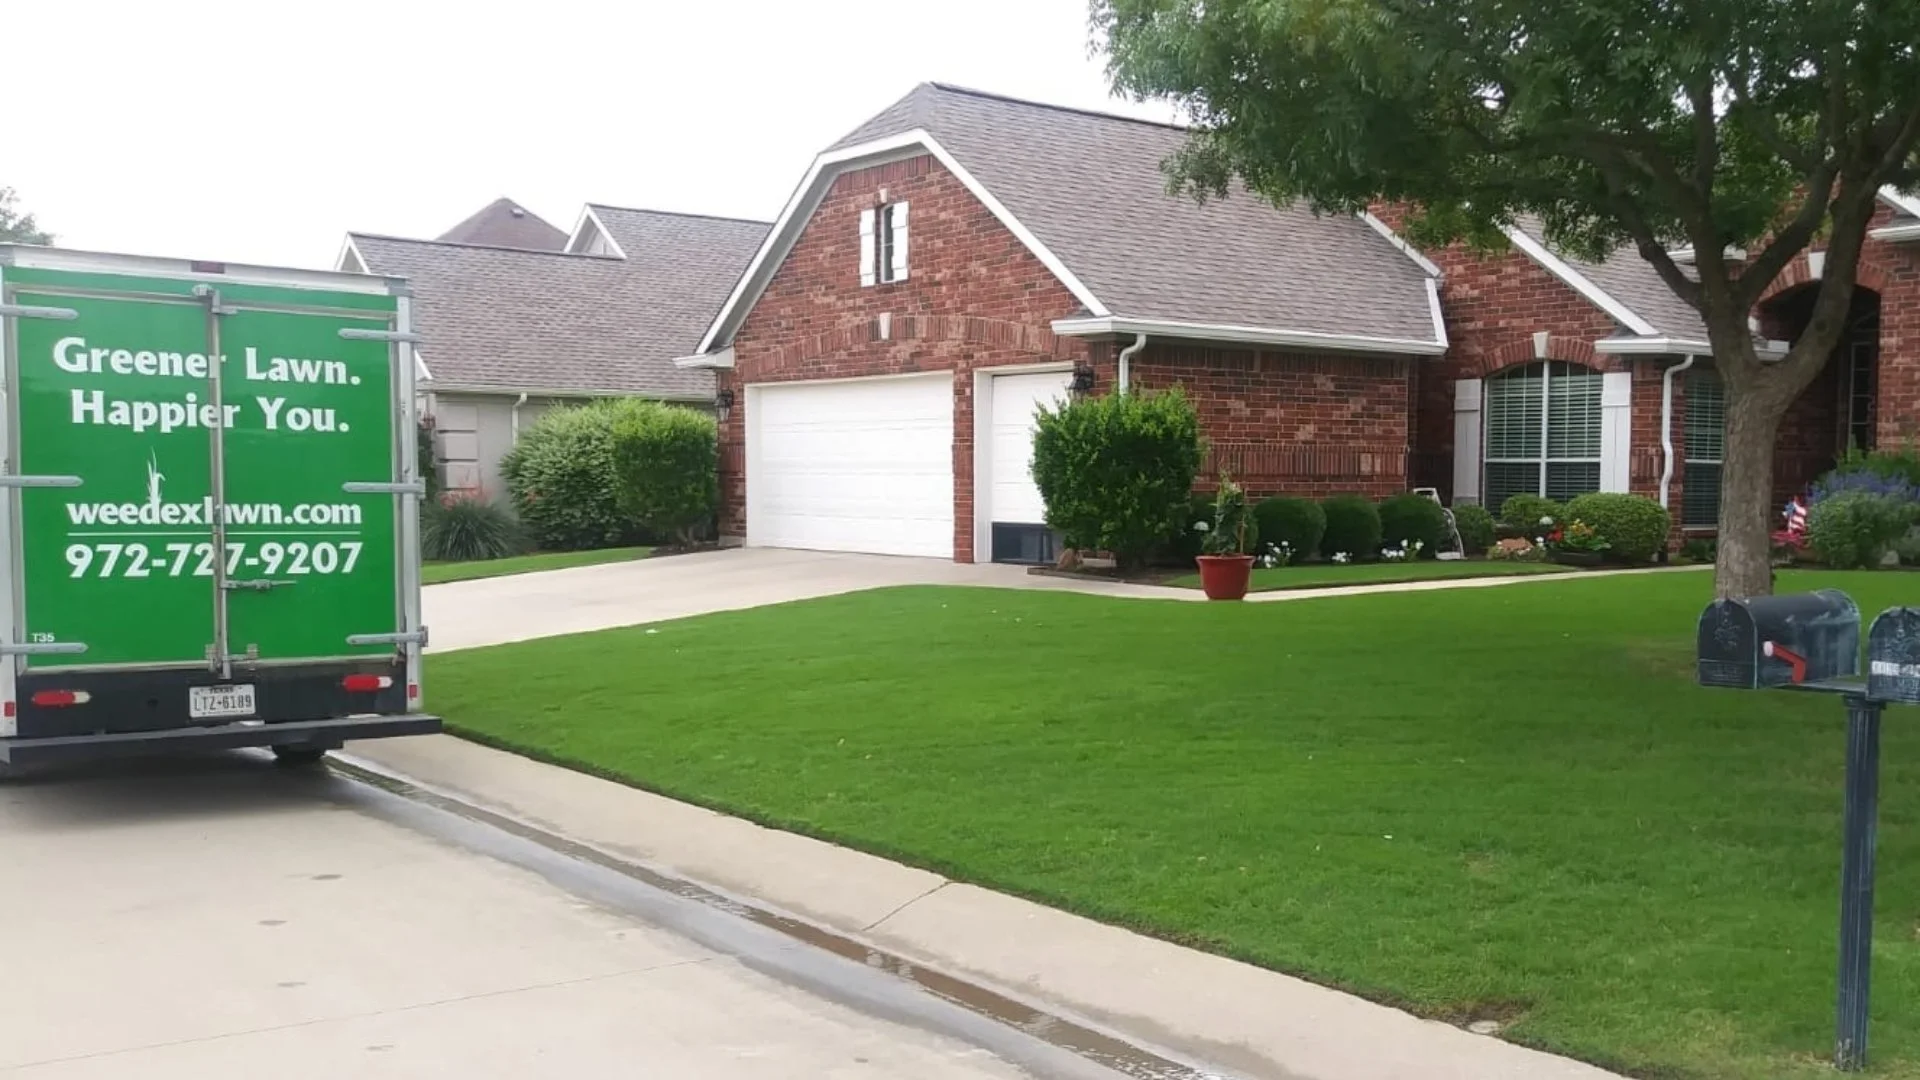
(259, 584)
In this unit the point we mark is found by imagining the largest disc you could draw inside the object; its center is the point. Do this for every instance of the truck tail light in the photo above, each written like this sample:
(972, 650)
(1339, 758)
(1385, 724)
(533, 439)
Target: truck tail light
(366, 684)
(413, 691)
(60, 699)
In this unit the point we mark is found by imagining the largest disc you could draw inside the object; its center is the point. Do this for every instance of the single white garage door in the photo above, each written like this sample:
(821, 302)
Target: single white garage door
(1015, 511)
(861, 465)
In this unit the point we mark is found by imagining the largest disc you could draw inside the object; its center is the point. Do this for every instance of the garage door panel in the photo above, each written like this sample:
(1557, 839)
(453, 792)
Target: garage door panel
(1014, 498)
(853, 466)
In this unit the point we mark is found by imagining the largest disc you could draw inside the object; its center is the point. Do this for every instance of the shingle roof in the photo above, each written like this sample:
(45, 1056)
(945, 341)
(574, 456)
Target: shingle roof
(505, 223)
(499, 318)
(1089, 186)
(1635, 284)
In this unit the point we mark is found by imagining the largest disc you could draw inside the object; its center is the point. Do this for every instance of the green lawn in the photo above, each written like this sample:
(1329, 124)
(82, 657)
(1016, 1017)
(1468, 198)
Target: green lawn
(1484, 802)
(438, 573)
(1328, 575)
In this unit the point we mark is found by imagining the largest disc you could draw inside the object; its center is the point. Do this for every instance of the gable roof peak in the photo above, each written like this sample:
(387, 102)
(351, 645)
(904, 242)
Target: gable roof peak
(505, 223)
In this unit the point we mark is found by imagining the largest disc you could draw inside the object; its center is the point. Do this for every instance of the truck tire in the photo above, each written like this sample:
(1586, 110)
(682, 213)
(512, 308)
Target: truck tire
(298, 756)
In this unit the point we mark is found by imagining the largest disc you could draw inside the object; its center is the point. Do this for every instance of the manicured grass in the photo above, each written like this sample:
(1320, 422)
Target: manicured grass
(438, 573)
(1328, 575)
(1486, 802)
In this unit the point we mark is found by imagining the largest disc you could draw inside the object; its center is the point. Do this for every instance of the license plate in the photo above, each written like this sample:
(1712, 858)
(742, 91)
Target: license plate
(210, 702)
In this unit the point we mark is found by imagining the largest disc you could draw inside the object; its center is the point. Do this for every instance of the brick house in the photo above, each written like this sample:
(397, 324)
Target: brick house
(962, 257)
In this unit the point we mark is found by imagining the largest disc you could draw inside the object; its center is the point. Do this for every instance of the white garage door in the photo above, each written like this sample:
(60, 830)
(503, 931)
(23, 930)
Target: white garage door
(1014, 498)
(862, 465)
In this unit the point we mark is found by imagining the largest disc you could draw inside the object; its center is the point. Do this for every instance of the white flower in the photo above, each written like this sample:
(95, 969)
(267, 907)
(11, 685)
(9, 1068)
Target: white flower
(1201, 526)
(1546, 519)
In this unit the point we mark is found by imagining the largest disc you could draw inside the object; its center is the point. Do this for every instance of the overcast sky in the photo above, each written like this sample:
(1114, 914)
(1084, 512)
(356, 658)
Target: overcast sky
(262, 131)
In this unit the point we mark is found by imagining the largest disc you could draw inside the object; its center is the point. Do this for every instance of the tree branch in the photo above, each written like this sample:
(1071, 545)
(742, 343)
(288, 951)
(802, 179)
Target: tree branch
(1706, 136)
(1790, 240)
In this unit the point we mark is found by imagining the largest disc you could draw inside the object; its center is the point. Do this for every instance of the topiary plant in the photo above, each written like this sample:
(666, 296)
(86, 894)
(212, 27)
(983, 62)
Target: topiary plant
(1476, 527)
(1413, 519)
(563, 480)
(1522, 513)
(1297, 523)
(464, 528)
(1353, 527)
(667, 461)
(1634, 526)
(1116, 472)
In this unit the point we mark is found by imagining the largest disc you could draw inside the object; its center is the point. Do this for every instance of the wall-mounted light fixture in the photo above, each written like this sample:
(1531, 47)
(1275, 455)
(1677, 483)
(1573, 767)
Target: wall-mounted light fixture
(723, 405)
(1082, 380)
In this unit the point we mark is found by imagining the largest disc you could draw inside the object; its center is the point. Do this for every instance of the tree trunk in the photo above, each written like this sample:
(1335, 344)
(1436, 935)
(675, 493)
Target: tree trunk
(1745, 563)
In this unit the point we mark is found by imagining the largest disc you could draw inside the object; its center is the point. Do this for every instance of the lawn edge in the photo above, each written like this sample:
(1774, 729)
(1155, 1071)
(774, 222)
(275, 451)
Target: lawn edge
(647, 552)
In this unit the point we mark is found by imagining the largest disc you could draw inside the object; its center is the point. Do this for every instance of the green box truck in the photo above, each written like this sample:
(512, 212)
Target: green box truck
(209, 508)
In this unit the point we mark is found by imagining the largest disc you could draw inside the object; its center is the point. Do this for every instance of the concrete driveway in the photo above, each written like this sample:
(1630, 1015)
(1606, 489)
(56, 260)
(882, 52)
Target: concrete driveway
(220, 917)
(493, 611)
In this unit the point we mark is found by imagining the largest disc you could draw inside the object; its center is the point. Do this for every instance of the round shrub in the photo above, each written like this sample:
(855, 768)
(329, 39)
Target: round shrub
(1634, 525)
(1852, 529)
(1297, 523)
(1522, 513)
(667, 461)
(1476, 528)
(460, 528)
(1413, 519)
(1116, 472)
(1353, 527)
(563, 479)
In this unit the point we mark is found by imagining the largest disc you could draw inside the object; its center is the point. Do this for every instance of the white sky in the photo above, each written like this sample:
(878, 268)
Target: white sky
(261, 131)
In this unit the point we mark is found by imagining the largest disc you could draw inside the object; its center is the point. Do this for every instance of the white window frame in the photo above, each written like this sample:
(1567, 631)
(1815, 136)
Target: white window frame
(883, 244)
(1544, 460)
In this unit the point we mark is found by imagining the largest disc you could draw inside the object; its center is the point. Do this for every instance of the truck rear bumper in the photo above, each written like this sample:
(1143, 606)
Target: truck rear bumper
(321, 733)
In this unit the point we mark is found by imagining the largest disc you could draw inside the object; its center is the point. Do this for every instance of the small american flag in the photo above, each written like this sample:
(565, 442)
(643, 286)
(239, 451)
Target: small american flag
(1796, 515)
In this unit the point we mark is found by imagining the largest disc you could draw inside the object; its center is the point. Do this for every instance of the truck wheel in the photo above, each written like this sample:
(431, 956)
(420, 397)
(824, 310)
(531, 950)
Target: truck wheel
(299, 756)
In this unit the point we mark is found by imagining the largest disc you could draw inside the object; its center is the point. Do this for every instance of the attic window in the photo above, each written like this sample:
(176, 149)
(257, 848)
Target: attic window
(883, 244)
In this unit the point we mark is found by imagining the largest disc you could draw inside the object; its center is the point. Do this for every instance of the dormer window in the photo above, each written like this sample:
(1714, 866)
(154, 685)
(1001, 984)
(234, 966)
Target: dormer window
(883, 244)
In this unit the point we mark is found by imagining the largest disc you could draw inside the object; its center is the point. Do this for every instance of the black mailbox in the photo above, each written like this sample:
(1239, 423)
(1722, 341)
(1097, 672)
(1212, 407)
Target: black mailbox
(1893, 656)
(1779, 640)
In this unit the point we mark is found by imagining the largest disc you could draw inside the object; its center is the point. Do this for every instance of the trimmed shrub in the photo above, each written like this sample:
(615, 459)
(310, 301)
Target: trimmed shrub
(1297, 523)
(1413, 519)
(1476, 527)
(1854, 528)
(563, 480)
(666, 461)
(1522, 513)
(1634, 525)
(1353, 527)
(1116, 472)
(460, 528)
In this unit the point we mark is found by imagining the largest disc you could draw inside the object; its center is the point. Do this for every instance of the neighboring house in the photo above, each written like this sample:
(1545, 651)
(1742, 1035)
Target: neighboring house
(1567, 376)
(505, 223)
(962, 258)
(507, 332)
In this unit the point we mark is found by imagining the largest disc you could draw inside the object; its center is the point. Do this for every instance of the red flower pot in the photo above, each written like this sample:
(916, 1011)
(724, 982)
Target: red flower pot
(1224, 577)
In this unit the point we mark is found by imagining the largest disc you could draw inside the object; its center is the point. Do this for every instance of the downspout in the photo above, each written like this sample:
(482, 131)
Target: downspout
(516, 417)
(1666, 426)
(1126, 354)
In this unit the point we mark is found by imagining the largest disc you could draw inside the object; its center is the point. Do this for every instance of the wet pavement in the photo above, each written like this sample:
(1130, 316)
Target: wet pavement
(221, 917)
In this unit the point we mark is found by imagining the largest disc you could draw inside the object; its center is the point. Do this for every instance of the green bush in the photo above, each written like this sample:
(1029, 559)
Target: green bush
(563, 479)
(1854, 528)
(1183, 540)
(1413, 519)
(1353, 527)
(1297, 523)
(1901, 463)
(1116, 472)
(666, 460)
(1522, 513)
(1908, 549)
(1635, 526)
(466, 529)
(1476, 527)
(1231, 528)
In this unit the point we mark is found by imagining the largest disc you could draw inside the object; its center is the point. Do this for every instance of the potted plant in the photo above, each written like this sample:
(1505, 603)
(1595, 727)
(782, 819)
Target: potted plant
(1577, 544)
(1225, 564)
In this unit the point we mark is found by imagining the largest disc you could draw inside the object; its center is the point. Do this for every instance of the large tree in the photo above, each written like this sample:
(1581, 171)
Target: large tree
(1762, 126)
(17, 227)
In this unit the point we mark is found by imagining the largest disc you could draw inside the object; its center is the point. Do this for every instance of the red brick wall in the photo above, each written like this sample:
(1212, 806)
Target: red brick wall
(974, 297)
(1291, 424)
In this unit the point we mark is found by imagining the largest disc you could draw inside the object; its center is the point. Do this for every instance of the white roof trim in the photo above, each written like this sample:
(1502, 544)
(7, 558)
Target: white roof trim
(561, 392)
(1559, 268)
(587, 216)
(420, 366)
(806, 198)
(1250, 335)
(1901, 200)
(1400, 242)
(1670, 346)
(353, 249)
(1439, 314)
(1897, 234)
(717, 361)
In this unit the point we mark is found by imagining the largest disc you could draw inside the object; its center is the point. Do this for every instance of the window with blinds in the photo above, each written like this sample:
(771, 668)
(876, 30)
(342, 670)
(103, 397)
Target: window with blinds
(1706, 442)
(1543, 425)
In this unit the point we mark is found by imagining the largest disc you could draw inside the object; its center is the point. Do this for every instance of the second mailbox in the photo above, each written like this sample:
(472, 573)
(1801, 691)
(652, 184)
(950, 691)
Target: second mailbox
(1770, 641)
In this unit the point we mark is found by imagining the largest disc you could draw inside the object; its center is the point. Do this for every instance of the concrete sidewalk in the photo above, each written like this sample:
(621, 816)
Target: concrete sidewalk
(1255, 1022)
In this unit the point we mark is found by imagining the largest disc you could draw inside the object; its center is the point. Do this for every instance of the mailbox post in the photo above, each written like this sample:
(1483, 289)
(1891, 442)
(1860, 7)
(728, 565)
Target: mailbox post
(1811, 642)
